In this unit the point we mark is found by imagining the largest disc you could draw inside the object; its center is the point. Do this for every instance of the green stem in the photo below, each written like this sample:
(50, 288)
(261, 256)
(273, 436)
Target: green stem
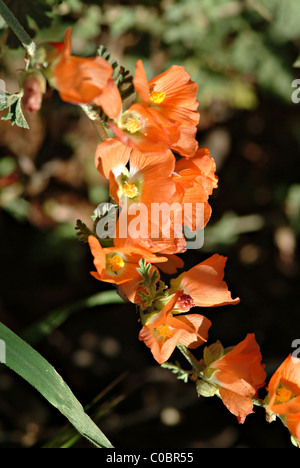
(259, 402)
(190, 357)
(100, 129)
(18, 29)
(94, 117)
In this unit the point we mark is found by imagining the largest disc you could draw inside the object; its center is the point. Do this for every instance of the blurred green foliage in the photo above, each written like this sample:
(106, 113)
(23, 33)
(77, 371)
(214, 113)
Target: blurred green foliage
(232, 48)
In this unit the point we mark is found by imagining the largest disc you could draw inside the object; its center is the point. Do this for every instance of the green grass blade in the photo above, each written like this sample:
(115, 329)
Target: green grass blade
(31, 366)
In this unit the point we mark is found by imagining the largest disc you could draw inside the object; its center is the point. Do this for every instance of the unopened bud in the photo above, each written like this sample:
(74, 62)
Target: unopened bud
(213, 352)
(34, 86)
(205, 389)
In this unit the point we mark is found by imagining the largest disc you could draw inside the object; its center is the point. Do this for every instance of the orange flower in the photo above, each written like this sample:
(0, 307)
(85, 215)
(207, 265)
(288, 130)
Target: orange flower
(173, 95)
(111, 156)
(197, 175)
(164, 115)
(147, 180)
(162, 331)
(150, 198)
(239, 375)
(283, 396)
(144, 130)
(82, 80)
(119, 265)
(203, 286)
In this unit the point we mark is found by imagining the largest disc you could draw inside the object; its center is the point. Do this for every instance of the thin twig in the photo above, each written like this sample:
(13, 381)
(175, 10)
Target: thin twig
(93, 116)
(18, 29)
(190, 357)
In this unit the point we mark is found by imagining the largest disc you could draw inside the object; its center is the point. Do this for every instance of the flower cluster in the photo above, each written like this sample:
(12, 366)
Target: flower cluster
(160, 182)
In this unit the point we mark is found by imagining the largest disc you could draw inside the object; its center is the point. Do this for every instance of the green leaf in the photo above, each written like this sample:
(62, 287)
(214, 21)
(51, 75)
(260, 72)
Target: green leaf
(155, 289)
(7, 100)
(177, 370)
(12, 102)
(31, 366)
(83, 232)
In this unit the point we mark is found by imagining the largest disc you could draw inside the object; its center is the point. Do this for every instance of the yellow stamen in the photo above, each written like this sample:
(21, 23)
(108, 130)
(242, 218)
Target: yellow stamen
(130, 190)
(157, 97)
(283, 395)
(131, 121)
(116, 263)
(164, 331)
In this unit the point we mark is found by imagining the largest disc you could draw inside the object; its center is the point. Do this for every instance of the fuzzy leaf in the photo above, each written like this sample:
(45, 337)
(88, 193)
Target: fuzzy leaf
(83, 232)
(12, 102)
(177, 370)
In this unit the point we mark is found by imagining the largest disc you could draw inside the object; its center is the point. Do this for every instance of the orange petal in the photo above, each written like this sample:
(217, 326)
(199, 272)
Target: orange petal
(110, 100)
(200, 164)
(160, 351)
(170, 267)
(110, 155)
(180, 104)
(293, 423)
(204, 283)
(161, 317)
(240, 369)
(98, 254)
(140, 82)
(67, 42)
(287, 374)
(152, 165)
(157, 135)
(197, 332)
(80, 80)
(238, 405)
(187, 144)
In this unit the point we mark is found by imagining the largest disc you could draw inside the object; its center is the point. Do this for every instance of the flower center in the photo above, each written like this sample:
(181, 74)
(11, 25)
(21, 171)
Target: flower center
(130, 190)
(283, 395)
(157, 97)
(184, 302)
(163, 331)
(131, 121)
(116, 263)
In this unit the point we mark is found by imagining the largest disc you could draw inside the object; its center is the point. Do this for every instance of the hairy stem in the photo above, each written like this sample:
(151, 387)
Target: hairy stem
(18, 29)
(93, 116)
(190, 357)
(100, 129)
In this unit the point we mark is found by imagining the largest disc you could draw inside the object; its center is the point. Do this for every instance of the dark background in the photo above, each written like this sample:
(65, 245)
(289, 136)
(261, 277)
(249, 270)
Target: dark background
(241, 54)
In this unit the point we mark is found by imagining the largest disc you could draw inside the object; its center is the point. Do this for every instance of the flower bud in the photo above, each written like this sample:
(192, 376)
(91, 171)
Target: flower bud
(34, 86)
